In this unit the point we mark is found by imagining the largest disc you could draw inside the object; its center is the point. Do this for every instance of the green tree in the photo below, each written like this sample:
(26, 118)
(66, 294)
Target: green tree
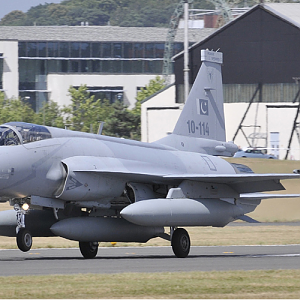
(15, 110)
(99, 12)
(85, 113)
(14, 18)
(50, 115)
(153, 87)
(123, 123)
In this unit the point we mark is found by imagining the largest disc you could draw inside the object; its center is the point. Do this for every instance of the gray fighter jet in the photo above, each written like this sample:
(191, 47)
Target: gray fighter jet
(93, 188)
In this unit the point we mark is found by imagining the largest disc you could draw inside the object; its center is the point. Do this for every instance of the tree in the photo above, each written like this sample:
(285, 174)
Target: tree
(99, 12)
(15, 110)
(14, 18)
(123, 123)
(153, 87)
(85, 113)
(50, 115)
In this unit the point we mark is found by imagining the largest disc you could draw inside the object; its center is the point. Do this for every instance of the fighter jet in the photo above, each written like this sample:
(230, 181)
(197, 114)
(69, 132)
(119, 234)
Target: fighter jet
(93, 188)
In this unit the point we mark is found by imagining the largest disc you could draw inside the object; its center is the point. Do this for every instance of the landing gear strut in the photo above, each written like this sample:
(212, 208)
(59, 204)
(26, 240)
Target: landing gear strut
(88, 249)
(24, 237)
(181, 243)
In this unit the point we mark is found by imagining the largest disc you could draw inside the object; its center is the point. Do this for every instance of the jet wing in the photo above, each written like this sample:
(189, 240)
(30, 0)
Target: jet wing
(233, 178)
(262, 196)
(130, 170)
(242, 183)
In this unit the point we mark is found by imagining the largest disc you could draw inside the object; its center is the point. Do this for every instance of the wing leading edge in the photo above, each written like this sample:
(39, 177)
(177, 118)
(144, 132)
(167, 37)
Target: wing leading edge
(242, 183)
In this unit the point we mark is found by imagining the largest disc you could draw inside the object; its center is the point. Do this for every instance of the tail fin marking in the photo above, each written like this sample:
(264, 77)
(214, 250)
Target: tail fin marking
(203, 115)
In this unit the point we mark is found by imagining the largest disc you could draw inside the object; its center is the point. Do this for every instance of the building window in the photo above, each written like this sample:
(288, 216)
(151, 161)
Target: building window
(116, 66)
(96, 66)
(52, 49)
(159, 50)
(138, 50)
(117, 50)
(41, 49)
(153, 66)
(106, 50)
(128, 50)
(53, 66)
(85, 50)
(85, 66)
(111, 93)
(74, 66)
(31, 49)
(27, 73)
(127, 66)
(137, 66)
(65, 66)
(96, 49)
(149, 50)
(22, 49)
(64, 49)
(36, 99)
(75, 49)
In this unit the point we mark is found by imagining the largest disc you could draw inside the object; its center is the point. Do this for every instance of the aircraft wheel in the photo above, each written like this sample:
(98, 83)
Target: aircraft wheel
(24, 240)
(181, 243)
(88, 249)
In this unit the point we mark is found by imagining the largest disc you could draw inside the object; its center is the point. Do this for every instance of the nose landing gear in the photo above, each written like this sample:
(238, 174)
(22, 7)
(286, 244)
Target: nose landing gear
(24, 237)
(24, 240)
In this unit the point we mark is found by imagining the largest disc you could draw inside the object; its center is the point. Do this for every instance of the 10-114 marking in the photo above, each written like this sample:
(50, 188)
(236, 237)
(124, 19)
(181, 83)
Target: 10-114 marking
(202, 127)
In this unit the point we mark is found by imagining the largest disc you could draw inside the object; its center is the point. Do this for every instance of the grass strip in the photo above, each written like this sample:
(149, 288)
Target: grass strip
(275, 284)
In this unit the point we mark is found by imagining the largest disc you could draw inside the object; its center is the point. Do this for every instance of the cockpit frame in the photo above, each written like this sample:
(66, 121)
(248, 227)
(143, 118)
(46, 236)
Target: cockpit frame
(19, 133)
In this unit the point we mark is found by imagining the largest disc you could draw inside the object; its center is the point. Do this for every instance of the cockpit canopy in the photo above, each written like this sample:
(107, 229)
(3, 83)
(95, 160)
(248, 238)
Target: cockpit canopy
(17, 133)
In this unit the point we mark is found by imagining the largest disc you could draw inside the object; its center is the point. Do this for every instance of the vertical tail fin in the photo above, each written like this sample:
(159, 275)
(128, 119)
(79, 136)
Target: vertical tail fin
(203, 115)
(201, 124)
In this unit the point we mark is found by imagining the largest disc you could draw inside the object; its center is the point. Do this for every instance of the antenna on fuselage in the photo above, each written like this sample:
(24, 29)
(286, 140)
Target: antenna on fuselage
(100, 128)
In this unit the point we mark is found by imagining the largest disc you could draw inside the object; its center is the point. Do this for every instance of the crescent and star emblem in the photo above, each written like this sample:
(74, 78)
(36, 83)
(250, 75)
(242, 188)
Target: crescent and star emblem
(203, 104)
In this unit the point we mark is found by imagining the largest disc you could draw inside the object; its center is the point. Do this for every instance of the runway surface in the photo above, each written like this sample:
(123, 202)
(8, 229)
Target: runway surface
(148, 259)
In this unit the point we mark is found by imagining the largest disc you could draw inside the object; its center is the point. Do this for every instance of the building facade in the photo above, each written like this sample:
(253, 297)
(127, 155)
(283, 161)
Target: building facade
(40, 63)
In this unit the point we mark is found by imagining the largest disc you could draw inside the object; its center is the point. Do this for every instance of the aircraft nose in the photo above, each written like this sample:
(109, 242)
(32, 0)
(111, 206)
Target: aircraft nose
(6, 176)
(7, 173)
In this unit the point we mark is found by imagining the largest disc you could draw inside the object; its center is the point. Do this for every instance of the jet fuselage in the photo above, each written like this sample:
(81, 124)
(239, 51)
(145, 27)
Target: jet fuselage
(22, 165)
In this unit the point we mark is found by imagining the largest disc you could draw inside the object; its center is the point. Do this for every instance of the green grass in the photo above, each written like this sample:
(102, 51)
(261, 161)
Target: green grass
(234, 284)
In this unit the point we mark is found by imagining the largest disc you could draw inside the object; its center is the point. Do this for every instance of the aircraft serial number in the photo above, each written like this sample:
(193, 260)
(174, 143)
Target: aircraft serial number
(202, 127)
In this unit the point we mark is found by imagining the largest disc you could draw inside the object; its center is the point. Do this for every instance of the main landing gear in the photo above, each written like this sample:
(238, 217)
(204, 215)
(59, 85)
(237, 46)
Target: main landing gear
(180, 242)
(88, 249)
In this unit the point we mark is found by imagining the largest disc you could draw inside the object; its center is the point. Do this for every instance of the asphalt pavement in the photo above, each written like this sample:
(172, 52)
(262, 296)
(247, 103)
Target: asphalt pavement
(148, 259)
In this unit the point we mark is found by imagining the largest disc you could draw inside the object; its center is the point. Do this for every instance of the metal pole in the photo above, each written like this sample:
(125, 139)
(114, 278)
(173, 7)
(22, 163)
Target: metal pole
(186, 51)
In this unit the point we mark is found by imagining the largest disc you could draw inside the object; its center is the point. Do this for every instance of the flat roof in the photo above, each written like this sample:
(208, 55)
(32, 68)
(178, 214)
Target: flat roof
(98, 33)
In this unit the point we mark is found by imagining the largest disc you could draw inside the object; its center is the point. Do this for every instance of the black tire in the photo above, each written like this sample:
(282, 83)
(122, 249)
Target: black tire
(24, 240)
(181, 243)
(88, 249)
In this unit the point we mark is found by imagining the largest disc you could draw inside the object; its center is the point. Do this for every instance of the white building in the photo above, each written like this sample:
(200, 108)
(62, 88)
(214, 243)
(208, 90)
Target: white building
(40, 63)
